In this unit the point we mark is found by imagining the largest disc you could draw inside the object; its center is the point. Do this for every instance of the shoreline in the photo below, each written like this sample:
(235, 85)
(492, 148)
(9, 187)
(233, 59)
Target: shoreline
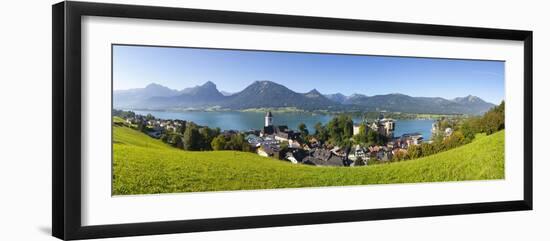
(367, 114)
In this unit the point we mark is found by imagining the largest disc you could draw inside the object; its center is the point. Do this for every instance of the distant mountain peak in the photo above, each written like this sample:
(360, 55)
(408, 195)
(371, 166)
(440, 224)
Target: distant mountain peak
(155, 85)
(261, 86)
(313, 93)
(208, 84)
(337, 97)
(263, 82)
(468, 99)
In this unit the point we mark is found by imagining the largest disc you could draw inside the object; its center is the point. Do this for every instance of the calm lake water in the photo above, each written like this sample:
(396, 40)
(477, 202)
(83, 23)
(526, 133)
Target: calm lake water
(233, 120)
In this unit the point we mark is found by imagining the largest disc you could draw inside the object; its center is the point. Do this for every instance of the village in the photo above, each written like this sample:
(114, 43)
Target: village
(269, 141)
(282, 143)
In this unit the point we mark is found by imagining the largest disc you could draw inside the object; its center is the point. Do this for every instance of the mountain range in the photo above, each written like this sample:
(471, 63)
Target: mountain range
(267, 94)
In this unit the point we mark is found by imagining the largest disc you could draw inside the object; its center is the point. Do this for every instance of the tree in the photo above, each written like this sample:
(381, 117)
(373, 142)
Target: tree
(400, 155)
(321, 132)
(181, 128)
(192, 138)
(414, 151)
(207, 135)
(469, 128)
(493, 120)
(347, 126)
(149, 117)
(374, 137)
(334, 131)
(304, 132)
(427, 149)
(218, 143)
(165, 138)
(236, 142)
(177, 141)
(454, 140)
(340, 128)
(362, 136)
(142, 126)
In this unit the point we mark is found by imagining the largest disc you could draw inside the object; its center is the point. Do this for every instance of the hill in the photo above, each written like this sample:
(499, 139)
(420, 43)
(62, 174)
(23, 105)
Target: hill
(409, 104)
(136, 97)
(143, 165)
(199, 96)
(267, 94)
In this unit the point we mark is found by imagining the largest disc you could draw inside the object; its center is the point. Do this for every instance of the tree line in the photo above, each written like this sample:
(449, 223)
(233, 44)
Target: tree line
(192, 137)
(339, 131)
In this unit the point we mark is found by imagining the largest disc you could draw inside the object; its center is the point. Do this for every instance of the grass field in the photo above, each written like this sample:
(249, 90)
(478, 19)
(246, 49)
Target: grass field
(143, 165)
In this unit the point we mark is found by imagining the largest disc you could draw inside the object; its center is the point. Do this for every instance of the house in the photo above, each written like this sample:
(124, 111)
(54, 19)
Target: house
(322, 154)
(269, 151)
(412, 139)
(313, 143)
(294, 144)
(322, 157)
(333, 161)
(336, 161)
(295, 155)
(290, 157)
(357, 152)
(254, 140)
(383, 126)
(384, 155)
(309, 160)
(448, 131)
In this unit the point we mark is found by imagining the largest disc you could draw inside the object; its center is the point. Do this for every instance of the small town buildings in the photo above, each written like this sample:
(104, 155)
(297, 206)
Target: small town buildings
(296, 155)
(254, 140)
(323, 157)
(411, 139)
(280, 133)
(357, 152)
(382, 126)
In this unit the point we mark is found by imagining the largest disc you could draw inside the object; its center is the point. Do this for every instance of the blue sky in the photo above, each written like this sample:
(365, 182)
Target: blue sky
(233, 70)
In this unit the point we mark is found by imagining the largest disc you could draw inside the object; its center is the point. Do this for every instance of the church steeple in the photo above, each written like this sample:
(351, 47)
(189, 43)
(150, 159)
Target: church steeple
(268, 119)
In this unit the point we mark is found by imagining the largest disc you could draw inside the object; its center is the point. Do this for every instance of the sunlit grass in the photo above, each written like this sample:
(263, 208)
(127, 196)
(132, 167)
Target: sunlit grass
(143, 165)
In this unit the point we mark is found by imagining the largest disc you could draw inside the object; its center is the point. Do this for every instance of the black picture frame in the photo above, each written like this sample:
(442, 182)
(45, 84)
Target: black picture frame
(66, 127)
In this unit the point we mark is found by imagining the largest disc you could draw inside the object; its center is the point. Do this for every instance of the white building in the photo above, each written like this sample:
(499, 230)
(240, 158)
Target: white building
(268, 119)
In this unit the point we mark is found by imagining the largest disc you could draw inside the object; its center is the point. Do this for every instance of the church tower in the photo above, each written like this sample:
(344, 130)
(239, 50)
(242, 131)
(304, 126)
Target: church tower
(268, 119)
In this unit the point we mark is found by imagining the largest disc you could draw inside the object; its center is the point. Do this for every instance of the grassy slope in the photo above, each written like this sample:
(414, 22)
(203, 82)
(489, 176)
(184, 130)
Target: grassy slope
(145, 165)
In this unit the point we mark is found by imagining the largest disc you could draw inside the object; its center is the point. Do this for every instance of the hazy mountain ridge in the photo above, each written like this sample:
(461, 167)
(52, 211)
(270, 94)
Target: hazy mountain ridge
(267, 94)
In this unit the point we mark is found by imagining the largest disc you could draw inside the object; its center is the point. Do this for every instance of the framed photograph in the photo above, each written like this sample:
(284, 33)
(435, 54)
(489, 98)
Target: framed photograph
(170, 120)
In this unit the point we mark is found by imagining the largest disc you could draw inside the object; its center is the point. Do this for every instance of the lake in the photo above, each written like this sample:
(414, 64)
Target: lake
(234, 120)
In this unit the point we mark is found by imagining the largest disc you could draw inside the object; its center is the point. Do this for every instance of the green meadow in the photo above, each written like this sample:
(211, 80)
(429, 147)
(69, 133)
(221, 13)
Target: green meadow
(143, 165)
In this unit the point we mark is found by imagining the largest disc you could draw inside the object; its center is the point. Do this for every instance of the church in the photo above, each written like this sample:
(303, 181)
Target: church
(279, 132)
